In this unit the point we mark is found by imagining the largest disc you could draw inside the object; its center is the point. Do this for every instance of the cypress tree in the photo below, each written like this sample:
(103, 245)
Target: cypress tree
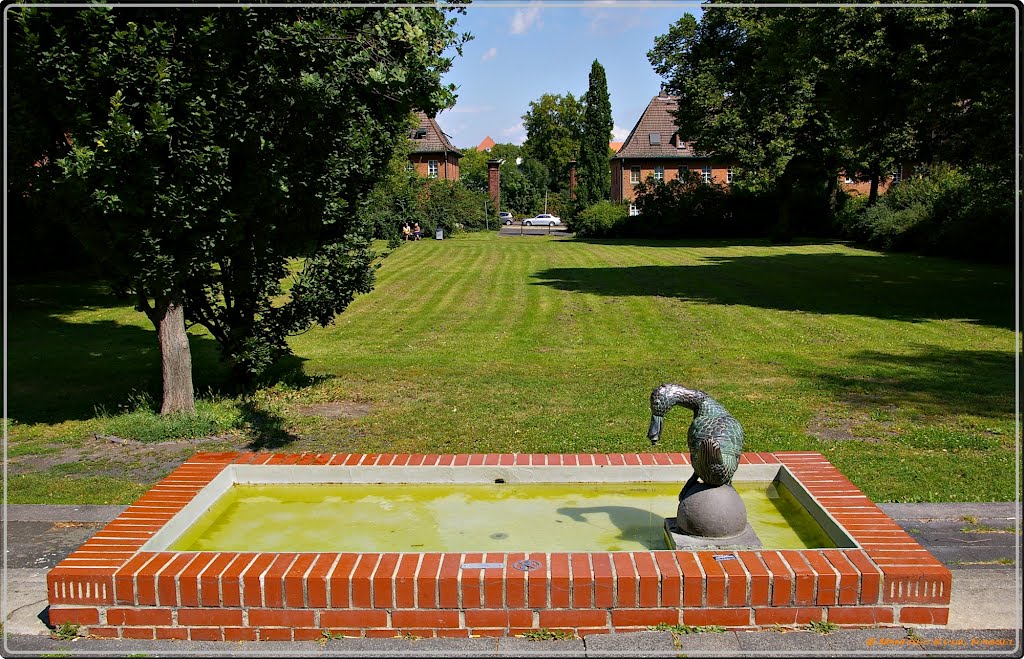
(595, 178)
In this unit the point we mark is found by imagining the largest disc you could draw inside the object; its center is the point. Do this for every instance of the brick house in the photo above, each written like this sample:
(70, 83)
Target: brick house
(432, 154)
(655, 148)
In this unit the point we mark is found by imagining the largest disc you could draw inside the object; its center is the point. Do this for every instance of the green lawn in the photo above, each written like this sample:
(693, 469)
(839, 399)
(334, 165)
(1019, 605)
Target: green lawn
(899, 368)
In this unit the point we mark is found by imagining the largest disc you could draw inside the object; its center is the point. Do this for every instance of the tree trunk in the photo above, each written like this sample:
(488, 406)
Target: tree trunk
(832, 193)
(782, 232)
(175, 357)
(873, 193)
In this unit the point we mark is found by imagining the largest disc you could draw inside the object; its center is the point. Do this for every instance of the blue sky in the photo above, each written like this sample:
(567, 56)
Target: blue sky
(523, 50)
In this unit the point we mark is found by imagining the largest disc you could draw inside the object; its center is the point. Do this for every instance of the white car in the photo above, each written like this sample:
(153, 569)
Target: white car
(542, 220)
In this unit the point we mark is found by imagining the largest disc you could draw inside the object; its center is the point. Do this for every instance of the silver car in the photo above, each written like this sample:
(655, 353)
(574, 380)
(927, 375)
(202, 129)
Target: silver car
(542, 220)
(506, 217)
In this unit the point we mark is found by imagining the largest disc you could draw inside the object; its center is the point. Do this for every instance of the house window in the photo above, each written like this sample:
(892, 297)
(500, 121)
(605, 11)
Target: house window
(634, 175)
(897, 176)
(633, 210)
(705, 173)
(659, 173)
(681, 174)
(728, 175)
(409, 167)
(432, 168)
(848, 180)
(655, 139)
(680, 142)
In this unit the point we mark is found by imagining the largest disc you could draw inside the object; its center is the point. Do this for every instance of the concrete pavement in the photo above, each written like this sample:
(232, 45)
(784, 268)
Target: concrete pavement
(984, 611)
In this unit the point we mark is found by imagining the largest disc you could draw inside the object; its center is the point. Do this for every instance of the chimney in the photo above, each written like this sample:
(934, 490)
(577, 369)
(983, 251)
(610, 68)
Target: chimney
(494, 182)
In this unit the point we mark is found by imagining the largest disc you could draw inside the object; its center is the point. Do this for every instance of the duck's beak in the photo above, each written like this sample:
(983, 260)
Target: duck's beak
(654, 432)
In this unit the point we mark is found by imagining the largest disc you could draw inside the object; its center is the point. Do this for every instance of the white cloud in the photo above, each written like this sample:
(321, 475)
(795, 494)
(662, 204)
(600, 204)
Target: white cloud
(526, 18)
(619, 134)
(605, 20)
(514, 134)
(491, 52)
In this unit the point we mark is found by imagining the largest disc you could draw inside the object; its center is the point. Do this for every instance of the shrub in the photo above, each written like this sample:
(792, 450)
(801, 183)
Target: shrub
(945, 211)
(604, 219)
(687, 207)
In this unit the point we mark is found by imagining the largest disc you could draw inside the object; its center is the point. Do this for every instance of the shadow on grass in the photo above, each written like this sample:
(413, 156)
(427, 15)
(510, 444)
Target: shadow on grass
(893, 287)
(936, 381)
(267, 430)
(70, 371)
(60, 371)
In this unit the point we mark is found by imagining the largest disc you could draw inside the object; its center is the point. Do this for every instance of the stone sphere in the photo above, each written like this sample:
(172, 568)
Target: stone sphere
(711, 512)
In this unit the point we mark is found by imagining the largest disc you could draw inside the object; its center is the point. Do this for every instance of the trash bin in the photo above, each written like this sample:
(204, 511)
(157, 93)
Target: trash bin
(439, 235)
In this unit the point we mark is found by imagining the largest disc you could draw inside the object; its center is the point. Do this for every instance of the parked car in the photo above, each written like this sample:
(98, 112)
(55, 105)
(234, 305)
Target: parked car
(506, 217)
(542, 220)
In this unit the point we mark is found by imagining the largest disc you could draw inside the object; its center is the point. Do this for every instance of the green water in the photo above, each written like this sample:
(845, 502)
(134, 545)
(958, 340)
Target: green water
(474, 517)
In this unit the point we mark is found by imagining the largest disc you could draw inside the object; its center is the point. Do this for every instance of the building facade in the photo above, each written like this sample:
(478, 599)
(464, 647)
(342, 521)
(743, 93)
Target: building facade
(432, 154)
(655, 148)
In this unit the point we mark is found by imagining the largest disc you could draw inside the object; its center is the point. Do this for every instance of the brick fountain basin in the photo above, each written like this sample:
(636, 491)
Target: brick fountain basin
(123, 582)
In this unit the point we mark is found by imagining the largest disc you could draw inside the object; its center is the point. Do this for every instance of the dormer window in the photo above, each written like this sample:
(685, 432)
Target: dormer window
(655, 139)
(680, 142)
(420, 133)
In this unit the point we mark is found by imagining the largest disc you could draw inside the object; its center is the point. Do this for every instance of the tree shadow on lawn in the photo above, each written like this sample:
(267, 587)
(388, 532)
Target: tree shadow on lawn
(935, 381)
(59, 371)
(70, 371)
(892, 287)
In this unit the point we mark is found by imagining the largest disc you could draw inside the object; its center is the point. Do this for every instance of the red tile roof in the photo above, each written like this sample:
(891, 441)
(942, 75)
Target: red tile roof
(656, 124)
(433, 140)
(486, 144)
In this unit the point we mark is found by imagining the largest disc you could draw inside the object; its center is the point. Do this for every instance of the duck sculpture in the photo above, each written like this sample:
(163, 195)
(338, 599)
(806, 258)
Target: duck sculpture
(715, 437)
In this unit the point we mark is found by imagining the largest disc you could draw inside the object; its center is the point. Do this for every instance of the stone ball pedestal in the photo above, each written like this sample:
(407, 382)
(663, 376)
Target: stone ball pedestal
(711, 518)
(711, 512)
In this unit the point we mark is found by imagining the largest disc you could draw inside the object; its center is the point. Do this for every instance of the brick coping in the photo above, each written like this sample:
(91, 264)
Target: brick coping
(114, 588)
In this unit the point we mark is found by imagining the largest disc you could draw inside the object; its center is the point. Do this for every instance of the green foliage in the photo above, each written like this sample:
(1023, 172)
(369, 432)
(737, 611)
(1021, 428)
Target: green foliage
(946, 211)
(453, 207)
(544, 634)
(822, 627)
(594, 181)
(208, 147)
(794, 95)
(605, 219)
(554, 126)
(686, 207)
(66, 631)
(143, 421)
(687, 629)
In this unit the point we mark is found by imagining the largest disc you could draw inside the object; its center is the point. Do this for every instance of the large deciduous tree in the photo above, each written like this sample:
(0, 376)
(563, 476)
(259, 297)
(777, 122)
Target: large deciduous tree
(595, 178)
(554, 125)
(796, 93)
(209, 147)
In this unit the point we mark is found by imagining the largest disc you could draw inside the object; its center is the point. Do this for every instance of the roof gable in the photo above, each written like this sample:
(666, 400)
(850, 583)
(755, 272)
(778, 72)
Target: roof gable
(428, 137)
(655, 133)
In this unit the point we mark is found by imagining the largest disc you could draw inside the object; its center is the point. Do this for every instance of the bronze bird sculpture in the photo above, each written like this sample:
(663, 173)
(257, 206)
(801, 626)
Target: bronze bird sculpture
(715, 437)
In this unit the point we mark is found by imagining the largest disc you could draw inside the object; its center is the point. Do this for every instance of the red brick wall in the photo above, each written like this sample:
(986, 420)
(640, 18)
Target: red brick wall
(420, 164)
(115, 590)
(624, 190)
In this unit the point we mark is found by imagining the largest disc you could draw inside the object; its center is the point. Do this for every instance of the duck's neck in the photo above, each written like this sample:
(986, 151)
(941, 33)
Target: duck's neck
(688, 398)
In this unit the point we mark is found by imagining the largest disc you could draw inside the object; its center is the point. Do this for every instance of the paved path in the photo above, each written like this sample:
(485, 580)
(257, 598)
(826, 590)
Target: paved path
(984, 611)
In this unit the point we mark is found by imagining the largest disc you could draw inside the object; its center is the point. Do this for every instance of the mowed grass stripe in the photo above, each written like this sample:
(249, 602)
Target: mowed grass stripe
(890, 364)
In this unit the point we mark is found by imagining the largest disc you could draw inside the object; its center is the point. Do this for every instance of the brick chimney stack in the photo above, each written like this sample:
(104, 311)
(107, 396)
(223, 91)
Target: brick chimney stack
(494, 182)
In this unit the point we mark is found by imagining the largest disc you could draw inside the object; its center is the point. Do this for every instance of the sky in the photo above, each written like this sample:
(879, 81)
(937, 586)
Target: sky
(525, 49)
